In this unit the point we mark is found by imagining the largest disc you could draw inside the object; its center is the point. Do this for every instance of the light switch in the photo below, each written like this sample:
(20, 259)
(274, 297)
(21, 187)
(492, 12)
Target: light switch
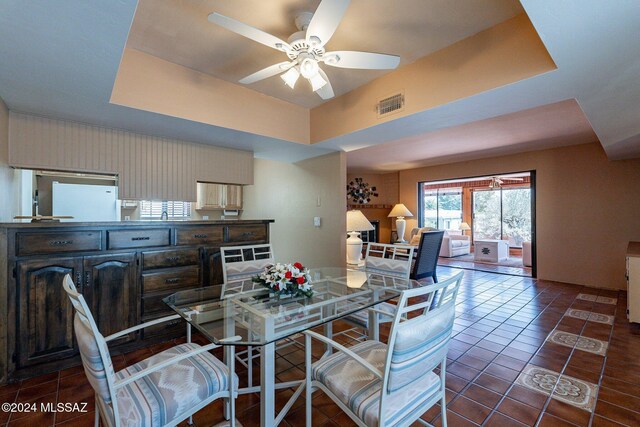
(127, 218)
(318, 201)
(205, 217)
(316, 221)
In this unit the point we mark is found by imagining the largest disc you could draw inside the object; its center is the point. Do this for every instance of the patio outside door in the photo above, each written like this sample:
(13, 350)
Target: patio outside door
(503, 213)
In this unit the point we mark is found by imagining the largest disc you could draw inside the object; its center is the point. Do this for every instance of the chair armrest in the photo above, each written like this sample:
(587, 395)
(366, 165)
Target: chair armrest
(458, 237)
(142, 325)
(368, 366)
(151, 369)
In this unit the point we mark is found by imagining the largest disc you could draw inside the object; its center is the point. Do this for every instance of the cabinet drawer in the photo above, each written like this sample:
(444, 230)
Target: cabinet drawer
(199, 235)
(246, 233)
(165, 259)
(56, 242)
(171, 280)
(142, 238)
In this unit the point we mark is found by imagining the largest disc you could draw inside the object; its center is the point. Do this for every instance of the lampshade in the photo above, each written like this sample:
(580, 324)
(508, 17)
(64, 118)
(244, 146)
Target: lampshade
(464, 226)
(399, 210)
(356, 221)
(317, 82)
(290, 77)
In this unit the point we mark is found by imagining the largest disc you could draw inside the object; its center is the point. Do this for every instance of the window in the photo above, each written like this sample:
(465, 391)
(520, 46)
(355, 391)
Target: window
(154, 209)
(441, 208)
(502, 214)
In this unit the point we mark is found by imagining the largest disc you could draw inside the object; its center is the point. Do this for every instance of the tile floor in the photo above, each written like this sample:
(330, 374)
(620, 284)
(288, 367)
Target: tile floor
(469, 264)
(507, 365)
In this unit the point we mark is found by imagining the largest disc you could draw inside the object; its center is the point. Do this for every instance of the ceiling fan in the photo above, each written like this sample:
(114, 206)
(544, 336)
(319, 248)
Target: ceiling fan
(497, 181)
(305, 48)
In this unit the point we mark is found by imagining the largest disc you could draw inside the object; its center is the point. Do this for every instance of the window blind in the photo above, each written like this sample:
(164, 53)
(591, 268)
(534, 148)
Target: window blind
(153, 209)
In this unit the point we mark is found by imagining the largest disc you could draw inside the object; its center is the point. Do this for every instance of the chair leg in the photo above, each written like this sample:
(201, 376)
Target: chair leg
(308, 391)
(435, 278)
(443, 405)
(250, 366)
(97, 420)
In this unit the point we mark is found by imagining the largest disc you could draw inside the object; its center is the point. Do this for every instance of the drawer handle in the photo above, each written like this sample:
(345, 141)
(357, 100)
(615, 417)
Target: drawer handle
(200, 236)
(172, 258)
(141, 238)
(249, 233)
(60, 242)
(174, 280)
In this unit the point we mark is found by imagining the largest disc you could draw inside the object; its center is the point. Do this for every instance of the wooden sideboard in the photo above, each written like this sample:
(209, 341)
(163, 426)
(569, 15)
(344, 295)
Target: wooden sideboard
(123, 269)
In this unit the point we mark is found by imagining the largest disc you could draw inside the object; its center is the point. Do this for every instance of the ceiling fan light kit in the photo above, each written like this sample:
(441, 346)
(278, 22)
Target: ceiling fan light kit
(305, 48)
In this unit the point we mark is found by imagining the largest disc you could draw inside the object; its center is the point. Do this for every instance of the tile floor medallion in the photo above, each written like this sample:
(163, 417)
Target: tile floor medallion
(590, 316)
(587, 297)
(607, 300)
(581, 343)
(567, 389)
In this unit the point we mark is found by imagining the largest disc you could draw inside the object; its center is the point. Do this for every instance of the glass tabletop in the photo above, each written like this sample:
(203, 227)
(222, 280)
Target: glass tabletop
(245, 313)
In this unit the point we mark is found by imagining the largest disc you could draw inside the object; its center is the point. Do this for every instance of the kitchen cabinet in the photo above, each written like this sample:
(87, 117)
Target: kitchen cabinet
(124, 270)
(219, 196)
(110, 288)
(44, 313)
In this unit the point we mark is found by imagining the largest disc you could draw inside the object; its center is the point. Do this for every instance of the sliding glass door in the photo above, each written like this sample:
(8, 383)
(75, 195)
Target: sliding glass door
(503, 213)
(441, 208)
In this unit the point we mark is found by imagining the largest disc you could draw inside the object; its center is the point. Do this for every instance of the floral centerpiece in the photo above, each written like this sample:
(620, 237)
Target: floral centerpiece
(286, 279)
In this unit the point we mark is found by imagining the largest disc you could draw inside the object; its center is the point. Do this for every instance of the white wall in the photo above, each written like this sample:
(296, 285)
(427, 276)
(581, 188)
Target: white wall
(288, 193)
(9, 178)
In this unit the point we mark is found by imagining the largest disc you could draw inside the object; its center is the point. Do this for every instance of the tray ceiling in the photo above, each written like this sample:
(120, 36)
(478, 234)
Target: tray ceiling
(179, 32)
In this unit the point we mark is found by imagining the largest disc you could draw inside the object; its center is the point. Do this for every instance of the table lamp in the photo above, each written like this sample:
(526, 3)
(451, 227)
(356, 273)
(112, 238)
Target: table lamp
(399, 211)
(464, 227)
(356, 222)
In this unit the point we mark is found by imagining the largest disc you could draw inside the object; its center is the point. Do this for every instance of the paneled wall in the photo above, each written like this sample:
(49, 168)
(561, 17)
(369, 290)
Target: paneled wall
(148, 167)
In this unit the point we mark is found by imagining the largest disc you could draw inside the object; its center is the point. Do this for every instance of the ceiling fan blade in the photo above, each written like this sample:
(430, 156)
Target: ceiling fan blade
(326, 91)
(325, 20)
(267, 72)
(249, 32)
(364, 60)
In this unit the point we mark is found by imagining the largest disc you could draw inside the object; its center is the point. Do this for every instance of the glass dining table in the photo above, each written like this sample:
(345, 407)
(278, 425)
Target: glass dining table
(244, 313)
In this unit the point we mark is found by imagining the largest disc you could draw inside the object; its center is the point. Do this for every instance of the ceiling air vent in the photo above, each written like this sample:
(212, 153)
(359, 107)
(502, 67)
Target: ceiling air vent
(390, 104)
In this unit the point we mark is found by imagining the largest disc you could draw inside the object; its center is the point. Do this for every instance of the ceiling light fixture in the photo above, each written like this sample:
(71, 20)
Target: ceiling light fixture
(317, 82)
(291, 77)
(309, 68)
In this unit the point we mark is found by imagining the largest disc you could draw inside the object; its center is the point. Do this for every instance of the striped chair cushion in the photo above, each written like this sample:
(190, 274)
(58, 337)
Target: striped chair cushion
(420, 344)
(247, 269)
(91, 361)
(361, 317)
(388, 267)
(359, 389)
(161, 397)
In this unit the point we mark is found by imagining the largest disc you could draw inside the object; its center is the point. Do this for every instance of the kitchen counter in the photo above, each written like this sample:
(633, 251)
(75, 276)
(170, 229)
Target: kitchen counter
(154, 223)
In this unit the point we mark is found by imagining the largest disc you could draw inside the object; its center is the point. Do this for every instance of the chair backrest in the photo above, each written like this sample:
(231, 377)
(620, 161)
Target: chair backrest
(427, 257)
(390, 260)
(94, 352)
(244, 262)
(420, 343)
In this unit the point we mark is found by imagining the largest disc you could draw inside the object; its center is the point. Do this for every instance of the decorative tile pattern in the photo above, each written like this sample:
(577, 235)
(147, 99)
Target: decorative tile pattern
(606, 300)
(581, 343)
(567, 389)
(590, 316)
(596, 298)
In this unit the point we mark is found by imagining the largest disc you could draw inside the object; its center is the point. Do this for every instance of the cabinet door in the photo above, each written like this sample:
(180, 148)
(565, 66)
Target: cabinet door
(210, 196)
(45, 314)
(112, 293)
(234, 197)
(212, 267)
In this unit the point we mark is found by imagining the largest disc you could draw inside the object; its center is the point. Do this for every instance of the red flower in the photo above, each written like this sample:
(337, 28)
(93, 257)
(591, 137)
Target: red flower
(288, 275)
(300, 280)
(298, 266)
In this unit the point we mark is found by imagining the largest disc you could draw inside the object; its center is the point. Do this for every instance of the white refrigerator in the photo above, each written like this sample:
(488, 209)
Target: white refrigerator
(86, 203)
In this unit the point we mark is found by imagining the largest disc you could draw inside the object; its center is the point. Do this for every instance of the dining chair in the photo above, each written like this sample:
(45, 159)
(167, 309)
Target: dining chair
(392, 384)
(426, 261)
(386, 260)
(162, 390)
(240, 263)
